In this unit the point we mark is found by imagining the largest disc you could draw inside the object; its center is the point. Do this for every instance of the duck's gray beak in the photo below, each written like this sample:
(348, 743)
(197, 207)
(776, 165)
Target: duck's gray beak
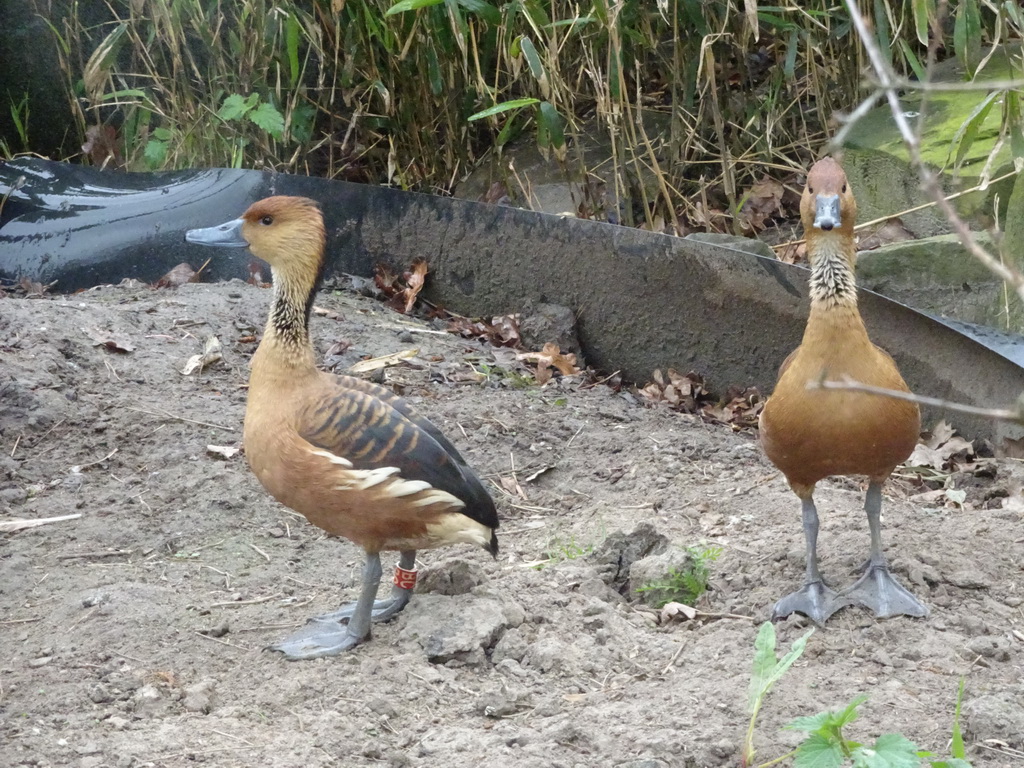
(826, 213)
(227, 235)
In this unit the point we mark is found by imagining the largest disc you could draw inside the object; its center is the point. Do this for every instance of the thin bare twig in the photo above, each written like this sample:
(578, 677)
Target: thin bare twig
(6, 526)
(1000, 414)
(95, 555)
(889, 85)
(898, 214)
(80, 467)
(165, 415)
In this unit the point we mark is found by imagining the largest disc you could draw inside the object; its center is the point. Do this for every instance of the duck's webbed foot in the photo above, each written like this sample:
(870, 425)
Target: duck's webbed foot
(815, 599)
(318, 639)
(879, 591)
(383, 610)
(344, 629)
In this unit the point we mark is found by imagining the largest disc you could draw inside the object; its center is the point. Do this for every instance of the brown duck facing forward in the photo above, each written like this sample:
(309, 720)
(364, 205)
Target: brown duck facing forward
(352, 457)
(811, 434)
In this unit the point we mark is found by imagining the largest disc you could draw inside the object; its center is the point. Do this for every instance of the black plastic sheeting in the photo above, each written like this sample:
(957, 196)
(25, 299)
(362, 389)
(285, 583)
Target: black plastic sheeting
(642, 300)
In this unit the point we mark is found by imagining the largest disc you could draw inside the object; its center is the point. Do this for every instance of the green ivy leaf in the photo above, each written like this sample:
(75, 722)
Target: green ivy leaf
(848, 715)
(267, 117)
(809, 724)
(892, 750)
(233, 108)
(301, 129)
(155, 153)
(818, 752)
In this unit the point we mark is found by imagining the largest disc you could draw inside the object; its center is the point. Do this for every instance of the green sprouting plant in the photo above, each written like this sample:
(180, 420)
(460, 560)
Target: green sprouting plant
(768, 669)
(685, 585)
(515, 379)
(19, 116)
(560, 548)
(826, 745)
(692, 96)
(236, 111)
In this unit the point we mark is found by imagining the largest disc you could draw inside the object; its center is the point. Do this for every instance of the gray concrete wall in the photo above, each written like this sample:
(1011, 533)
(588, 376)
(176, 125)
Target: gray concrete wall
(643, 300)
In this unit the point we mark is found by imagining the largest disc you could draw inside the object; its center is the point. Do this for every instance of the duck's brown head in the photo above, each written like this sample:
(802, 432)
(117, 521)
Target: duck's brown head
(286, 232)
(827, 204)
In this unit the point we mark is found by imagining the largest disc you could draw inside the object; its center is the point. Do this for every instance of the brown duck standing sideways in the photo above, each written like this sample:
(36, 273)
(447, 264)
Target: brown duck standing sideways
(351, 456)
(811, 434)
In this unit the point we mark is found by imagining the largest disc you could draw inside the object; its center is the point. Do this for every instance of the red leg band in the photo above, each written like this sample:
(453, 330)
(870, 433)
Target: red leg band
(404, 579)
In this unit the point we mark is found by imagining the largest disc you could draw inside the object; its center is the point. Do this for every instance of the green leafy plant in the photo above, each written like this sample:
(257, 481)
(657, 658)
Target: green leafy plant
(514, 379)
(826, 744)
(19, 116)
(691, 100)
(827, 747)
(768, 670)
(685, 585)
(560, 548)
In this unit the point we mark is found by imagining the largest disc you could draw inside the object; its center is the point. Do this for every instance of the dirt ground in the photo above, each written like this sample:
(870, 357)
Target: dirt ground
(134, 634)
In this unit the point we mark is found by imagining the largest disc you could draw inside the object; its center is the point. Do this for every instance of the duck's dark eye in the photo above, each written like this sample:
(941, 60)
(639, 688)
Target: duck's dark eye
(844, 189)
(266, 221)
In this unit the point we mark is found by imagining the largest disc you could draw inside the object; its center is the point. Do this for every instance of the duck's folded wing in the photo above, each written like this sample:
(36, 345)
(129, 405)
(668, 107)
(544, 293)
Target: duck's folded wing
(402, 406)
(369, 433)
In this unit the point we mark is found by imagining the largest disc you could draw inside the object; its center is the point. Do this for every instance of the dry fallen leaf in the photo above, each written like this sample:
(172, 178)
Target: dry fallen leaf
(677, 610)
(256, 274)
(707, 219)
(942, 450)
(222, 451)
(103, 147)
(210, 355)
(115, 342)
(33, 288)
(792, 253)
(502, 331)
(740, 409)
(330, 314)
(948, 496)
(364, 366)
(550, 357)
(763, 200)
(682, 393)
(415, 279)
(891, 231)
(511, 485)
(179, 275)
(401, 297)
(338, 348)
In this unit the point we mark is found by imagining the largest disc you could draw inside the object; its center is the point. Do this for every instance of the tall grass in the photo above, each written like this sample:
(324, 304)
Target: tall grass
(694, 97)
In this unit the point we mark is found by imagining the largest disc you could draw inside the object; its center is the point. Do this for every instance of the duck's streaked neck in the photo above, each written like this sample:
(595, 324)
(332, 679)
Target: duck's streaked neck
(832, 282)
(288, 323)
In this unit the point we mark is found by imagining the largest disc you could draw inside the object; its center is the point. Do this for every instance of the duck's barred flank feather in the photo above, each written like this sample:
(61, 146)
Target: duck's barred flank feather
(403, 407)
(371, 431)
(373, 434)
